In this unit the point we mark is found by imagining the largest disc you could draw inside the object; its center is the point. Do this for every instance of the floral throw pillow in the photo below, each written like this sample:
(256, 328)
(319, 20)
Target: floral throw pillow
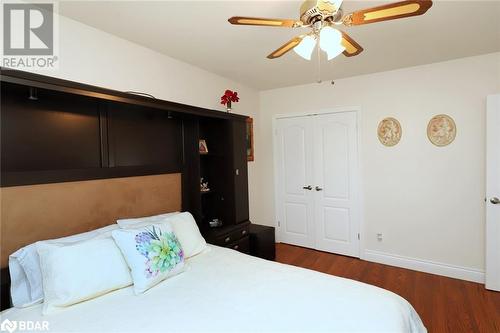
(153, 254)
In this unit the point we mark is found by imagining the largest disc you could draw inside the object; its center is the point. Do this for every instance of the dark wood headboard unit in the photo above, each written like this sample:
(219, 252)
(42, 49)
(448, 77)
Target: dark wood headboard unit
(88, 132)
(55, 131)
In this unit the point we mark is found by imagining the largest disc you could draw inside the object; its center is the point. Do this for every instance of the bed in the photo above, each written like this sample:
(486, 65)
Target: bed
(219, 290)
(224, 290)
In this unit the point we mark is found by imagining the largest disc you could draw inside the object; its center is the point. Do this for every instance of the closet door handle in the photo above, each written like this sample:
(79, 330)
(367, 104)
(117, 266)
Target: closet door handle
(308, 187)
(317, 188)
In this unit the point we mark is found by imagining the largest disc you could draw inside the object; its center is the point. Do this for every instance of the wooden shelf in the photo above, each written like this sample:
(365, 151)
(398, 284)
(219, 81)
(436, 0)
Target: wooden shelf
(211, 154)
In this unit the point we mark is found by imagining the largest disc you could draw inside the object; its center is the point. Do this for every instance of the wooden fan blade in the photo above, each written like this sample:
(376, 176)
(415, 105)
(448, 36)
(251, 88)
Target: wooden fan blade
(388, 12)
(351, 47)
(287, 23)
(286, 47)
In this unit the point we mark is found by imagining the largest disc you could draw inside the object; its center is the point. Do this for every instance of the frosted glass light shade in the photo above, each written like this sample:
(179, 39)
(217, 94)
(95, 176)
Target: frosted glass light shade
(330, 41)
(306, 47)
(336, 3)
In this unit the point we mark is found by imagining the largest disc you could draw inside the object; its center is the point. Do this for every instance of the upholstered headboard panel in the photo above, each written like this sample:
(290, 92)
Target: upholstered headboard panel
(37, 212)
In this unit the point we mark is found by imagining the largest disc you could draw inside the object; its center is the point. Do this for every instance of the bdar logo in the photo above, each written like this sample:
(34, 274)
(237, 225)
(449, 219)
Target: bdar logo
(8, 325)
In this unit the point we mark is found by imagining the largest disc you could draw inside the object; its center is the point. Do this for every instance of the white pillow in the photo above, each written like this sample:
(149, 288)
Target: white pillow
(143, 221)
(24, 267)
(188, 233)
(75, 273)
(153, 254)
(185, 228)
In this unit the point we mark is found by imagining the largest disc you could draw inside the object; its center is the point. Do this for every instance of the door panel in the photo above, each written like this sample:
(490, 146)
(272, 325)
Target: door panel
(295, 215)
(335, 152)
(295, 204)
(493, 194)
(335, 169)
(294, 153)
(336, 224)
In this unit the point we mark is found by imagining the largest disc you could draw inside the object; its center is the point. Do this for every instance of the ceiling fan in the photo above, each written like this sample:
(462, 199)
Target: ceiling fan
(322, 16)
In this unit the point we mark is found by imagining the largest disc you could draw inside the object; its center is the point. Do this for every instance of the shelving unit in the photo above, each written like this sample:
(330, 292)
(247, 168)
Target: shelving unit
(224, 167)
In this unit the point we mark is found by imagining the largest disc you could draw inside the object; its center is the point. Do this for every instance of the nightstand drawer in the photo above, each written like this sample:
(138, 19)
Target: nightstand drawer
(243, 245)
(231, 237)
(240, 233)
(228, 234)
(224, 240)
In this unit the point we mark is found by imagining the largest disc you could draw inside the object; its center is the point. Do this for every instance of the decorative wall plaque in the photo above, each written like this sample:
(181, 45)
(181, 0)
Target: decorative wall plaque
(389, 132)
(441, 130)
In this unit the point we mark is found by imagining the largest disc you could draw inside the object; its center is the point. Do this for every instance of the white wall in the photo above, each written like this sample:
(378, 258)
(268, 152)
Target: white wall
(427, 201)
(91, 56)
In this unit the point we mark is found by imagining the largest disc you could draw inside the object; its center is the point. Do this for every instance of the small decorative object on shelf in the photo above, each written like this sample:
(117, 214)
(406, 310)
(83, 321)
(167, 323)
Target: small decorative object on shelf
(203, 147)
(229, 97)
(204, 186)
(214, 223)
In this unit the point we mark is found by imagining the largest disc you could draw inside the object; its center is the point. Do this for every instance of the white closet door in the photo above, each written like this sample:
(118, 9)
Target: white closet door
(493, 193)
(294, 172)
(336, 187)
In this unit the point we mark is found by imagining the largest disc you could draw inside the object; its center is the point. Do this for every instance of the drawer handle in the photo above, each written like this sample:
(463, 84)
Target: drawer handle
(236, 247)
(227, 239)
(243, 232)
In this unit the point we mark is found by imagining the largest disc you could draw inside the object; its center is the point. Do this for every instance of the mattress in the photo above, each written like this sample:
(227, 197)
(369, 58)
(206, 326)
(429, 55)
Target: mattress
(223, 290)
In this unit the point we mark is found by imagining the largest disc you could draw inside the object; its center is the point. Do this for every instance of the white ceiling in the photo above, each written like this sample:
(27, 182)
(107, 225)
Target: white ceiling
(197, 32)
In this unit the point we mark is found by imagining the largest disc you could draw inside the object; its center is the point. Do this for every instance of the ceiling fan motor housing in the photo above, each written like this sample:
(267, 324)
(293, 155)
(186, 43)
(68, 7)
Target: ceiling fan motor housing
(312, 11)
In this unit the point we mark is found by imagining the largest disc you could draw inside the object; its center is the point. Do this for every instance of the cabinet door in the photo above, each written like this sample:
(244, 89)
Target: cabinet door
(240, 170)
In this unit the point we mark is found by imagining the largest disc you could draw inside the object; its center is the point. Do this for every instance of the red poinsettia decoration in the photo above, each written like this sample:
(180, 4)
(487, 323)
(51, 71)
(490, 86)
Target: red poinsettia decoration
(228, 97)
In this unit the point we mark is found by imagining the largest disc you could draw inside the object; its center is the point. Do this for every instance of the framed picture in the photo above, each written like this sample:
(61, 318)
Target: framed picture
(203, 147)
(250, 151)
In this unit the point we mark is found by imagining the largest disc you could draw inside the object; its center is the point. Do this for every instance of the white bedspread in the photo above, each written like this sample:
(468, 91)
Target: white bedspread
(224, 290)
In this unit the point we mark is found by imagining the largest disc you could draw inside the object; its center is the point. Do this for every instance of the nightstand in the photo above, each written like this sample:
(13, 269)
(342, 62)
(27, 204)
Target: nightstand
(262, 242)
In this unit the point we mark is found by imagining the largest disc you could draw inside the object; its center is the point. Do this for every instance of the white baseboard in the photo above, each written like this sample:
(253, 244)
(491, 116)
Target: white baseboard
(427, 266)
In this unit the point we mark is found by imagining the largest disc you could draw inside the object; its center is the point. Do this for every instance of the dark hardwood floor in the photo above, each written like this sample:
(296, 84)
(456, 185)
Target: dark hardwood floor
(444, 304)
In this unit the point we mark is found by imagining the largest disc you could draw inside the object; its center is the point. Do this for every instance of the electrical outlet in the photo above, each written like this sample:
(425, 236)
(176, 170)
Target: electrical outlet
(380, 237)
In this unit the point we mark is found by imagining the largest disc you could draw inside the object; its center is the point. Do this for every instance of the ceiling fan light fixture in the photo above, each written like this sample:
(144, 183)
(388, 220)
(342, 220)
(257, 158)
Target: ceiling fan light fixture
(336, 3)
(330, 41)
(306, 47)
